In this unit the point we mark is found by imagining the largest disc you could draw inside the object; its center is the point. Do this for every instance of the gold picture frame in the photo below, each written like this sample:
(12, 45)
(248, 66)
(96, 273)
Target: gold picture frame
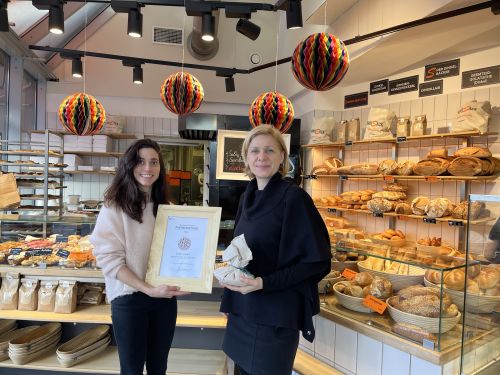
(183, 247)
(230, 163)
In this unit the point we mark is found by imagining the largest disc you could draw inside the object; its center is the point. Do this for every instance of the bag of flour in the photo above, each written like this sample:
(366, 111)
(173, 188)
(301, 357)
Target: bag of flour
(381, 123)
(321, 130)
(473, 116)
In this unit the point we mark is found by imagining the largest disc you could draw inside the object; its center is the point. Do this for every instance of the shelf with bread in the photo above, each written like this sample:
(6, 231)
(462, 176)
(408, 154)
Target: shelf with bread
(110, 135)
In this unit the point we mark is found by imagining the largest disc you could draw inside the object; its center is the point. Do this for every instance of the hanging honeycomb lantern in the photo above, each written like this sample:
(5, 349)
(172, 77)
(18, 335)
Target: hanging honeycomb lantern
(181, 93)
(82, 114)
(272, 108)
(320, 61)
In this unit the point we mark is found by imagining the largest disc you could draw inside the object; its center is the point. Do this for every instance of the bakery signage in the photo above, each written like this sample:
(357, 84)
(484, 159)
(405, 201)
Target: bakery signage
(379, 86)
(430, 88)
(442, 70)
(356, 100)
(399, 86)
(481, 77)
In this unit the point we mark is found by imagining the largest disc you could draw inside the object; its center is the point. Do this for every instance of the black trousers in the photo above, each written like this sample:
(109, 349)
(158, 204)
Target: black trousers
(143, 328)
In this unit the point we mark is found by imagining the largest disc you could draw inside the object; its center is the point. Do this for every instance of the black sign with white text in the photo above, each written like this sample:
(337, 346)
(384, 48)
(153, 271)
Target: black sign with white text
(430, 88)
(442, 70)
(399, 86)
(481, 77)
(356, 100)
(379, 86)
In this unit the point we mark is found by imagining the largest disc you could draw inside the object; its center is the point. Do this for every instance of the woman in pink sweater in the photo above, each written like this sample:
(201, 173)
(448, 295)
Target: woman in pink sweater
(143, 316)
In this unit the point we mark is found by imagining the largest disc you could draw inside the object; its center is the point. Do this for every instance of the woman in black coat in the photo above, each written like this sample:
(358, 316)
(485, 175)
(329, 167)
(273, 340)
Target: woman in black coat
(291, 253)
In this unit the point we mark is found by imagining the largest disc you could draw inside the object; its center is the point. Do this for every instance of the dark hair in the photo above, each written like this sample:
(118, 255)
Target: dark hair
(124, 191)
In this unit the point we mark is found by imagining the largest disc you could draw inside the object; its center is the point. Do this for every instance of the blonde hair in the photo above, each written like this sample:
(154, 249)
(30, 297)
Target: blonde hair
(273, 132)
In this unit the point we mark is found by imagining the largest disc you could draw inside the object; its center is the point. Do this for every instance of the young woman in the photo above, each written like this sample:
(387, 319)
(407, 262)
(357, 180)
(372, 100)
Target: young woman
(143, 316)
(291, 253)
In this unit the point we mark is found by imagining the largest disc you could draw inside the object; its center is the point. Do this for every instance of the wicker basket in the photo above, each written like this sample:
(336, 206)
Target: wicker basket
(83, 340)
(415, 276)
(350, 302)
(429, 324)
(97, 348)
(475, 303)
(7, 325)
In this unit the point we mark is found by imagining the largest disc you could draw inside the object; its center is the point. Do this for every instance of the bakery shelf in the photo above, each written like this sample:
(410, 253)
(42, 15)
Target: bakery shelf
(447, 219)
(110, 135)
(3, 163)
(49, 219)
(198, 314)
(390, 178)
(90, 172)
(76, 273)
(33, 208)
(51, 154)
(180, 361)
(402, 139)
(33, 175)
(96, 154)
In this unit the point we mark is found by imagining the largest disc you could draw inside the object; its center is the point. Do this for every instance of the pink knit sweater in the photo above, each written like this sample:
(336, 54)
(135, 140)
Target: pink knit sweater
(118, 240)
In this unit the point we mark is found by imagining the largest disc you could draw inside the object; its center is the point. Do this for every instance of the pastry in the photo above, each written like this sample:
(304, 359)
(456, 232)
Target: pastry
(478, 152)
(418, 205)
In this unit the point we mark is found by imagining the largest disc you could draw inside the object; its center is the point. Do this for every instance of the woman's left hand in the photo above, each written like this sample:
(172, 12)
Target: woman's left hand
(251, 285)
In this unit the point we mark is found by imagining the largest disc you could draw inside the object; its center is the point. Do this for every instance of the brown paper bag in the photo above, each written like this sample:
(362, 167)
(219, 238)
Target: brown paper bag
(9, 291)
(28, 295)
(9, 196)
(47, 295)
(66, 297)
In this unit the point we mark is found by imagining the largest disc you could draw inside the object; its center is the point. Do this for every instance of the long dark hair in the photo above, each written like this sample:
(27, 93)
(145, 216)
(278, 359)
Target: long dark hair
(124, 191)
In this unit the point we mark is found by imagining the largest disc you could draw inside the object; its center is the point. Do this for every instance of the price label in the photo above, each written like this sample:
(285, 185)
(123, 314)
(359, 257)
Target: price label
(15, 251)
(61, 253)
(375, 304)
(389, 178)
(349, 274)
(331, 210)
(42, 251)
(343, 177)
(455, 223)
(431, 178)
(429, 220)
(348, 143)
(400, 139)
(378, 214)
(403, 217)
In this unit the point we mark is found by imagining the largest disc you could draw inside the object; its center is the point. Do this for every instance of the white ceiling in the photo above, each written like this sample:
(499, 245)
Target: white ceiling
(377, 59)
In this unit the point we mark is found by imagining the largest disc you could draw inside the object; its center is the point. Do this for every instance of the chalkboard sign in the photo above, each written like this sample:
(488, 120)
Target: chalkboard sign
(230, 164)
(481, 77)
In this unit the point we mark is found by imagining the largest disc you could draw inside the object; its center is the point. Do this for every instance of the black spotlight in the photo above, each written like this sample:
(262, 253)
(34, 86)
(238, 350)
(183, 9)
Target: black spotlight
(230, 84)
(4, 17)
(248, 28)
(56, 19)
(207, 27)
(134, 26)
(294, 14)
(77, 68)
(137, 75)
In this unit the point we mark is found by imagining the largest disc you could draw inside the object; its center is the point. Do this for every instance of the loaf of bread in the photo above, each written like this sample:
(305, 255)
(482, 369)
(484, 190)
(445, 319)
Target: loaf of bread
(380, 205)
(431, 167)
(413, 332)
(455, 279)
(405, 168)
(419, 290)
(424, 301)
(364, 169)
(433, 276)
(381, 288)
(403, 208)
(418, 205)
(394, 186)
(363, 278)
(439, 207)
(333, 163)
(478, 152)
(471, 166)
(388, 167)
(461, 210)
(320, 169)
(390, 195)
(438, 153)
(488, 278)
(346, 169)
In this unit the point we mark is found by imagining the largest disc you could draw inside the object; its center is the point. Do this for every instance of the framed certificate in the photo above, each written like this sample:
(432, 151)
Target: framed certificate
(230, 164)
(183, 248)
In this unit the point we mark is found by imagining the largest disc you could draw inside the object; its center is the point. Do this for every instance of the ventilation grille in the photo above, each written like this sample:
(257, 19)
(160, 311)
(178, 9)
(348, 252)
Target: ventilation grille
(164, 35)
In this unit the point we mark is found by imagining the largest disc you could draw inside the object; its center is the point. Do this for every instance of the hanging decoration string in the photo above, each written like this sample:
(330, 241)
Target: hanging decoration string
(276, 59)
(326, 4)
(183, 30)
(85, 48)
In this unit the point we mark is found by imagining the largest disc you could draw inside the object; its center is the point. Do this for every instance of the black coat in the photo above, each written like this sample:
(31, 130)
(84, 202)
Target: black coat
(291, 252)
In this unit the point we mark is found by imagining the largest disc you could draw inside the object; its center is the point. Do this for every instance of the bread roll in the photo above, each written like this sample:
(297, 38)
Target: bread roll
(354, 290)
(478, 152)
(388, 167)
(363, 278)
(381, 288)
(473, 287)
(433, 276)
(431, 167)
(488, 278)
(418, 205)
(455, 279)
(406, 168)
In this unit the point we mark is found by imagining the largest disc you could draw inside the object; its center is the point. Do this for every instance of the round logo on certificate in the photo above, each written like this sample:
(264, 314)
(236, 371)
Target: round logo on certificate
(184, 243)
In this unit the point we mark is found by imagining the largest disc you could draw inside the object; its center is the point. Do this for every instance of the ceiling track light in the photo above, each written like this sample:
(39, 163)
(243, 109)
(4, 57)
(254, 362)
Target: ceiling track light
(56, 19)
(137, 75)
(77, 67)
(230, 84)
(4, 17)
(248, 28)
(294, 15)
(134, 25)
(207, 27)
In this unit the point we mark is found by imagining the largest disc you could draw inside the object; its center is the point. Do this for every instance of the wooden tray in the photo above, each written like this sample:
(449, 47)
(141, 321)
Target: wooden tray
(83, 340)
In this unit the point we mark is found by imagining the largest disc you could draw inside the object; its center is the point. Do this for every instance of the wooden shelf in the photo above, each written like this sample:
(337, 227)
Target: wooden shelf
(110, 135)
(180, 362)
(54, 271)
(405, 178)
(447, 219)
(198, 314)
(90, 172)
(31, 153)
(396, 140)
(96, 154)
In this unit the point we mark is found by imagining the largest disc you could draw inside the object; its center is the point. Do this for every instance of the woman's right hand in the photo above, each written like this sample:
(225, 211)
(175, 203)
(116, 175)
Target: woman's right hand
(165, 291)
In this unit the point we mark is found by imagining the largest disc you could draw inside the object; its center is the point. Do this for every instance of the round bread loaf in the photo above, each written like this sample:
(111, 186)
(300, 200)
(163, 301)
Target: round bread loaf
(478, 152)
(488, 278)
(388, 167)
(406, 168)
(363, 278)
(455, 279)
(418, 205)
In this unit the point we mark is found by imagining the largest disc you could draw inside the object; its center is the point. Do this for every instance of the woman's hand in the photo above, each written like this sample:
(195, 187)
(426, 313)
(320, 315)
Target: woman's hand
(165, 291)
(251, 285)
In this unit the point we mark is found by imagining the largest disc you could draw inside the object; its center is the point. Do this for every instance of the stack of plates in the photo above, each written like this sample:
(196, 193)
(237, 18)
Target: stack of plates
(85, 345)
(34, 343)
(11, 335)
(7, 325)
